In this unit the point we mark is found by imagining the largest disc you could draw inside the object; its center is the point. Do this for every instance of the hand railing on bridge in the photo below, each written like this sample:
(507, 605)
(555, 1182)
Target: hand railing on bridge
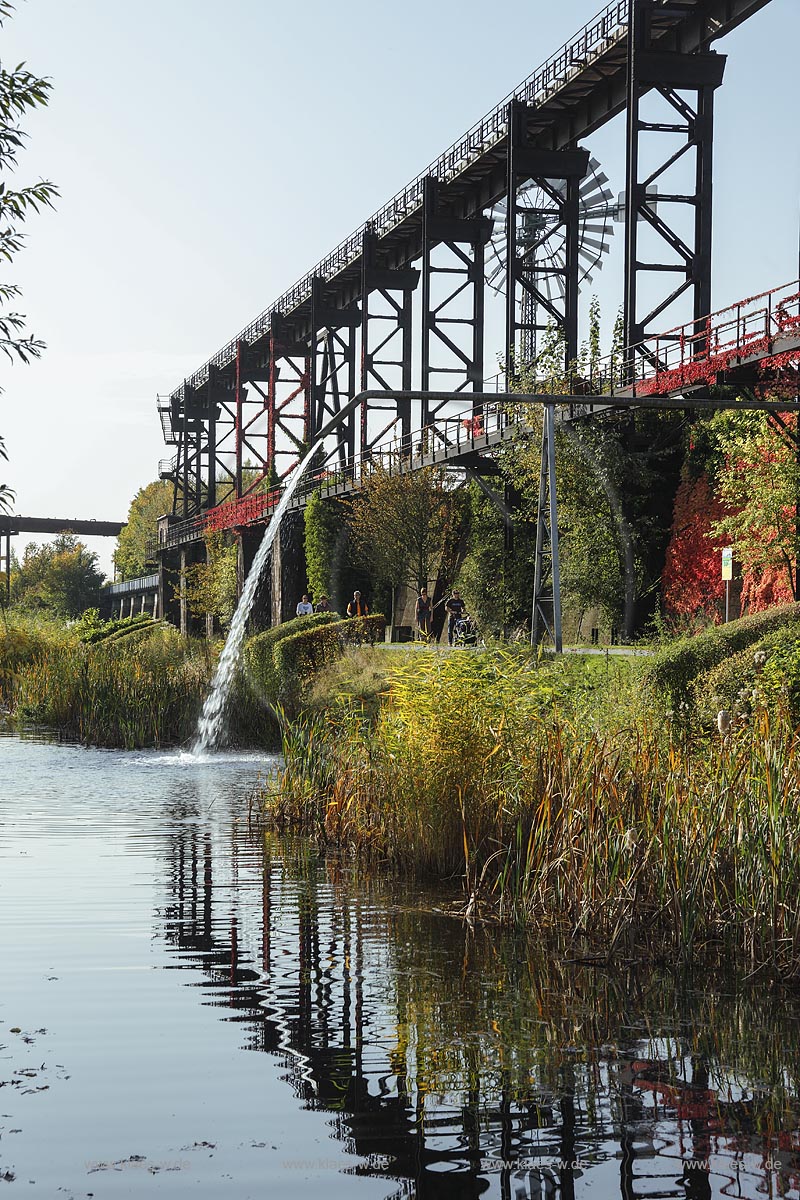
(759, 328)
(696, 353)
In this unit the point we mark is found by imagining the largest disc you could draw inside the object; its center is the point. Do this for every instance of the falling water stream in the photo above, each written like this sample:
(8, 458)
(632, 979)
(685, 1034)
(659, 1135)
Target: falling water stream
(211, 725)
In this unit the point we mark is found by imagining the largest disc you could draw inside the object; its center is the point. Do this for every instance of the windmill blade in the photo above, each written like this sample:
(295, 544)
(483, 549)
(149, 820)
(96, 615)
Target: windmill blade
(592, 184)
(593, 244)
(592, 227)
(498, 272)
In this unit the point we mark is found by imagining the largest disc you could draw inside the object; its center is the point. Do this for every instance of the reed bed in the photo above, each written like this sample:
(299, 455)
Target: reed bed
(488, 769)
(130, 694)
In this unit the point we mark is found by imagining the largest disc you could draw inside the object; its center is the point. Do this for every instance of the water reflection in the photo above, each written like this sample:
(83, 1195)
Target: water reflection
(463, 1064)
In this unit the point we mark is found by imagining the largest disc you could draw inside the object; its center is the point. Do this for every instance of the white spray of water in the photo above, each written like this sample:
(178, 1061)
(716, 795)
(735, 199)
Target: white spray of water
(211, 726)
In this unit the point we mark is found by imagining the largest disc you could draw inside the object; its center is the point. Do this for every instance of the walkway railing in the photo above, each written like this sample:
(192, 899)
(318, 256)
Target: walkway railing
(764, 329)
(145, 583)
(693, 354)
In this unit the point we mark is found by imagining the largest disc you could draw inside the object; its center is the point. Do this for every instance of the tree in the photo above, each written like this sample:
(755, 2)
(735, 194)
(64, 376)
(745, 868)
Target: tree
(616, 476)
(758, 483)
(149, 503)
(398, 524)
(212, 586)
(61, 578)
(20, 91)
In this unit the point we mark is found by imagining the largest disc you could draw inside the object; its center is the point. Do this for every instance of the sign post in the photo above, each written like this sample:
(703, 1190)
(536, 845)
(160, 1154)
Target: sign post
(727, 575)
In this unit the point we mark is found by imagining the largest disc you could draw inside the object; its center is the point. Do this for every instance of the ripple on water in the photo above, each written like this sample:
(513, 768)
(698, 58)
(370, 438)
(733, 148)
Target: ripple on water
(237, 1015)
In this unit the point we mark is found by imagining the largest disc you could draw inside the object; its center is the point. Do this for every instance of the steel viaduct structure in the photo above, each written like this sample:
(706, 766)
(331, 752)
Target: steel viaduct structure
(383, 341)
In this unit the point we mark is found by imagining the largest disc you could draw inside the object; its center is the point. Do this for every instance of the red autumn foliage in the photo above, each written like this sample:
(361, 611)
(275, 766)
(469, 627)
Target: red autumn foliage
(692, 580)
(765, 588)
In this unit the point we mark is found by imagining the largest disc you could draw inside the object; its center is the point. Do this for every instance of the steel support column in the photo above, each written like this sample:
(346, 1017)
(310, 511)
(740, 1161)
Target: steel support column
(333, 367)
(288, 396)
(546, 609)
(530, 310)
(452, 300)
(386, 321)
(241, 350)
(210, 423)
(683, 249)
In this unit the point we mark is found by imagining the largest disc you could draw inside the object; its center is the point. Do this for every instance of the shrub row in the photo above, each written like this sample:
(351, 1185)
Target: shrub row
(675, 669)
(770, 666)
(302, 654)
(259, 652)
(90, 628)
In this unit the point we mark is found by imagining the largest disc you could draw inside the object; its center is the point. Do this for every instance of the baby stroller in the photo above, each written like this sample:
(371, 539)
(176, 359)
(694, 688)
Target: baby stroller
(465, 631)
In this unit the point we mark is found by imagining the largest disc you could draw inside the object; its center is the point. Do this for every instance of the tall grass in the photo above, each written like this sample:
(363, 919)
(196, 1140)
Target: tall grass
(141, 685)
(491, 770)
(130, 693)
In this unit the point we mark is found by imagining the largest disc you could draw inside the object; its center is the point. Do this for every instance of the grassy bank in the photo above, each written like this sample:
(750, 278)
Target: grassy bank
(563, 798)
(135, 682)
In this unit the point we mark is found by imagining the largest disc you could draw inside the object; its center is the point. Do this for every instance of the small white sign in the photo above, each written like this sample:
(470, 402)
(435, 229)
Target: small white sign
(727, 562)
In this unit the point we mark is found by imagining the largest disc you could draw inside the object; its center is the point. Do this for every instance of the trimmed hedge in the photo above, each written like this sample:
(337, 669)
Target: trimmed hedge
(259, 651)
(675, 671)
(731, 684)
(299, 657)
(113, 629)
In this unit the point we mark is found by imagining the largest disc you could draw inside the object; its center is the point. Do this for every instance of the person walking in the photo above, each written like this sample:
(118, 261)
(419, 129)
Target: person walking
(323, 604)
(304, 607)
(357, 607)
(423, 611)
(454, 607)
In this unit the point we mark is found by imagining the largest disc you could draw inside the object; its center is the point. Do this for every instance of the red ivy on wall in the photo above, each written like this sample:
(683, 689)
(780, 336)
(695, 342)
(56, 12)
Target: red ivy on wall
(692, 580)
(764, 589)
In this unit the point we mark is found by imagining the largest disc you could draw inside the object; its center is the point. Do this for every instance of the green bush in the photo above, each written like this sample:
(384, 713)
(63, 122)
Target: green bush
(675, 670)
(259, 652)
(299, 657)
(731, 683)
(780, 676)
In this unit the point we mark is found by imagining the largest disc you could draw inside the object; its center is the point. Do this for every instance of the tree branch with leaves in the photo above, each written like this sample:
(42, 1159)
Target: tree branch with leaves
(20, 93)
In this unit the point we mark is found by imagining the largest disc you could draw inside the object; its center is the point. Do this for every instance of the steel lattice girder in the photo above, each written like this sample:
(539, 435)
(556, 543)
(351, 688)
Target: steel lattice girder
(575, 92)
(669, 74)
(385, 342)
(463, 240)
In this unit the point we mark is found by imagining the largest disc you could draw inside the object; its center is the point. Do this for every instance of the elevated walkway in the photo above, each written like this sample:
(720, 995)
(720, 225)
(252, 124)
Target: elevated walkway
(753, 345)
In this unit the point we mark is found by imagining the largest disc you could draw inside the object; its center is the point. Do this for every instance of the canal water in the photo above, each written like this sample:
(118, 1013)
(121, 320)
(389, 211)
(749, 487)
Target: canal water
(189, 1009)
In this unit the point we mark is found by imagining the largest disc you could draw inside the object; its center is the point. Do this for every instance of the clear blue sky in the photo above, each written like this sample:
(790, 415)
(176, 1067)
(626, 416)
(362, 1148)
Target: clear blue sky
(210, 154)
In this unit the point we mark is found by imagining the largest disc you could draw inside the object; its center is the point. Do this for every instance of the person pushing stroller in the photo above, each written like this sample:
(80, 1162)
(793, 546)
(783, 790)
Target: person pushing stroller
(455, 608)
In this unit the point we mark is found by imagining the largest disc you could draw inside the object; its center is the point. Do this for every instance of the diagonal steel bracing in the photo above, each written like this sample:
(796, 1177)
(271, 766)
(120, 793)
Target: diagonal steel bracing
(668, 232)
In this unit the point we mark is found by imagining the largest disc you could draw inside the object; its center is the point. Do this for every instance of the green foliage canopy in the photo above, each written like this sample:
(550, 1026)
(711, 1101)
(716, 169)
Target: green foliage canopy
(323, 528)
(398, 523)
(212, 586)
(61, 578)
(149, 503)
(758, 481)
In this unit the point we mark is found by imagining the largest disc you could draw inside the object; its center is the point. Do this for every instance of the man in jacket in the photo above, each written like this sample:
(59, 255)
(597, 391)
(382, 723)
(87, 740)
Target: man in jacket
(357, 607)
